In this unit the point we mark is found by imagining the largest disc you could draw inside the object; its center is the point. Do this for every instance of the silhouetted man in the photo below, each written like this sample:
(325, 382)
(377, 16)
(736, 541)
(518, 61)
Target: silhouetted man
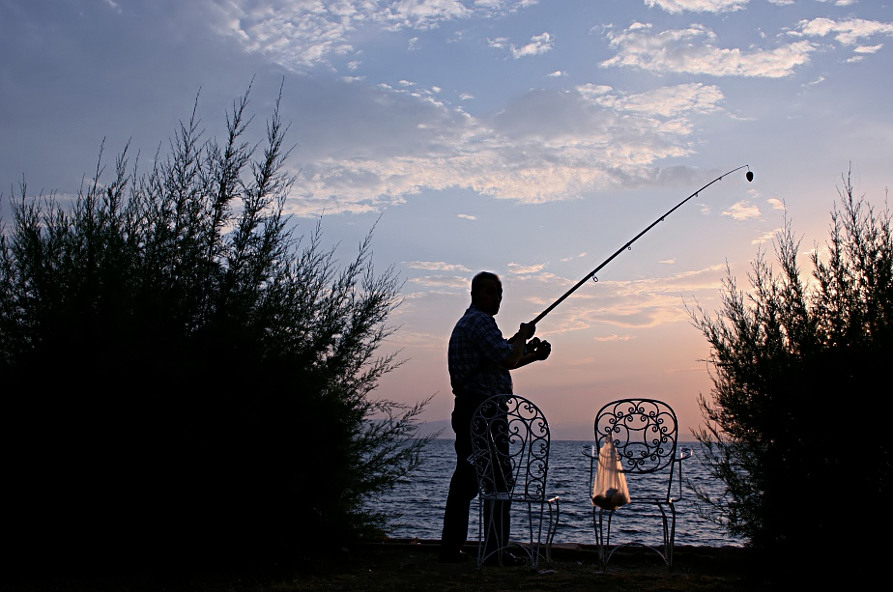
(480, 359)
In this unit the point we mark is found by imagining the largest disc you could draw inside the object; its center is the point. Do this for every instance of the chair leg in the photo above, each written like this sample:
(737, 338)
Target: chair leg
(597, 523)
(603, 534)
(553, 525)
(493, 539)
(534, 533)
(481, 527)
(672, 539)
(668, 519)
(536, 548)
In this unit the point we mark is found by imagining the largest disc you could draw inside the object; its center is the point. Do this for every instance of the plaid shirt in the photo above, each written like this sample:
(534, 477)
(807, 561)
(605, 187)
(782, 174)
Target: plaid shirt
(477, 349)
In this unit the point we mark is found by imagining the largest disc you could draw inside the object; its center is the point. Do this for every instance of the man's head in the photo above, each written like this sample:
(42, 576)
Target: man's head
(486, 292)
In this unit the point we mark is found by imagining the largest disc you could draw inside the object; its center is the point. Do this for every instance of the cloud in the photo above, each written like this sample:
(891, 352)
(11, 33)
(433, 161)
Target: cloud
(667, 101)
(694, 51)
(291, 34)
(868, 48)
(398, 139)
(766, 237)
(519, 269)
(360, 146)
(435, 266)
(539, 44)
(640, 303)
(300, 34)
(395, 141)
(635, 310)
(467, 217)
(418, 14)
(743, 211)
(678, 6)
(613, 337)
(846, 32)
(440, 282)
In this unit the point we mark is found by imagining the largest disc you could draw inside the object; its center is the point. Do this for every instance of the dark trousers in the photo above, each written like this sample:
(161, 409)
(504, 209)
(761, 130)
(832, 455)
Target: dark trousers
(464, 488)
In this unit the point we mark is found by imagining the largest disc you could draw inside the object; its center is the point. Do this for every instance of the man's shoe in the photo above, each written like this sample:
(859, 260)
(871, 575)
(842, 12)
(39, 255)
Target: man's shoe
(454, 557)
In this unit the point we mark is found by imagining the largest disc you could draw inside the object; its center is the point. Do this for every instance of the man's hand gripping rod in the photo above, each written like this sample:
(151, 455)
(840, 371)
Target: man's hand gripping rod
(634, 239)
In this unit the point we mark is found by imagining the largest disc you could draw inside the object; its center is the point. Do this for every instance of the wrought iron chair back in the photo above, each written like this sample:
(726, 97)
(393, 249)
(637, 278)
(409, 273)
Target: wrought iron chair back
(510, 440)
(645, 435)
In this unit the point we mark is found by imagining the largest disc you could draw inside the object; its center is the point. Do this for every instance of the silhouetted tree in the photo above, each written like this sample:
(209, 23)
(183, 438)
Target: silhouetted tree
(183, 379)
(797, 420)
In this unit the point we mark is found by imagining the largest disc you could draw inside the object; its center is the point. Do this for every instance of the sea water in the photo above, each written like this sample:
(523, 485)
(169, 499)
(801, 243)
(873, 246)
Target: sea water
(415, 506)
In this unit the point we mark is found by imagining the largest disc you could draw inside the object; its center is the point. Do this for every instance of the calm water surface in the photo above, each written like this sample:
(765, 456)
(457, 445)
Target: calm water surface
(416, 505)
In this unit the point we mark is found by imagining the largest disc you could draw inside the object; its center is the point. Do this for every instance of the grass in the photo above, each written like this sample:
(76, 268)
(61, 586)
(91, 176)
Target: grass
(408, 566)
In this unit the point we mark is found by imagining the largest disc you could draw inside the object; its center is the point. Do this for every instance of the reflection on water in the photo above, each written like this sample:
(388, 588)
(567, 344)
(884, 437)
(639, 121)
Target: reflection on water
(416, 505)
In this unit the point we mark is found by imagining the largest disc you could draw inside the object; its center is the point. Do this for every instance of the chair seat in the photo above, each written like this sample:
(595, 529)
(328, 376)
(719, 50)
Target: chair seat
(651, 501)
(525, 499)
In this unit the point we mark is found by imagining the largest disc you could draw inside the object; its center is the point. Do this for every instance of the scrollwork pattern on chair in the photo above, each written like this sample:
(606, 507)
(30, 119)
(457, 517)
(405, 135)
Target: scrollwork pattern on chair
(644, 433)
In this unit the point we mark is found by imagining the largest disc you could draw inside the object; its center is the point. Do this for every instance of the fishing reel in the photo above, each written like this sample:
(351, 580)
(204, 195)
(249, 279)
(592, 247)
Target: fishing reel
(538, 346)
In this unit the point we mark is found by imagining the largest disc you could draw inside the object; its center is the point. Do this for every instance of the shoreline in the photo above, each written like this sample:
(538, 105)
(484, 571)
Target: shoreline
(563, 549)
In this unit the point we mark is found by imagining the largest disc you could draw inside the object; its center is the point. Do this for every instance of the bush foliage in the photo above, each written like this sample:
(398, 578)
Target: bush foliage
(183, 378)
(796, 424)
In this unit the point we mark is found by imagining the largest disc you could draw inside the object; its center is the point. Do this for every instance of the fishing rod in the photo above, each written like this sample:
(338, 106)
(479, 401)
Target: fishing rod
(748, 176)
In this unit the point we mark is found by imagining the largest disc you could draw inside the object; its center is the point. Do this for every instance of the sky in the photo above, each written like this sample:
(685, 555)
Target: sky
(531, 138)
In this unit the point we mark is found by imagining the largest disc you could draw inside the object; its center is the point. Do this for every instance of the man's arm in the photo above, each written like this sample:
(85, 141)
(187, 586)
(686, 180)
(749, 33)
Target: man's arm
(519, 341)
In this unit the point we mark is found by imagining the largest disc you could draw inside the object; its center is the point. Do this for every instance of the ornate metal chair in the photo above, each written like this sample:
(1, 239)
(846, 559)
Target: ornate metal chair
(510, 454)
(644, 433)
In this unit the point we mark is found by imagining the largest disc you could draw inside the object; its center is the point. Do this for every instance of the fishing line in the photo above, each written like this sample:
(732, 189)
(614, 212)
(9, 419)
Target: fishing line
(628, 245)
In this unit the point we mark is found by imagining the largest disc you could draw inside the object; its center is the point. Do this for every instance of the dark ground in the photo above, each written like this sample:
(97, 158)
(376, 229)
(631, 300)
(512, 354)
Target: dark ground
(401, 565)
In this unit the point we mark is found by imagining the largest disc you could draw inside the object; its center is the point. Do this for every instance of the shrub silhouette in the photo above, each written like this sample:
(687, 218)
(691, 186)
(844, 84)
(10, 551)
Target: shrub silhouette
(184, 379)
(796, 423)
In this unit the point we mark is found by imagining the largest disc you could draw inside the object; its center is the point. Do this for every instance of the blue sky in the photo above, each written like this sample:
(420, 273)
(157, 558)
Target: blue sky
(529, 138)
